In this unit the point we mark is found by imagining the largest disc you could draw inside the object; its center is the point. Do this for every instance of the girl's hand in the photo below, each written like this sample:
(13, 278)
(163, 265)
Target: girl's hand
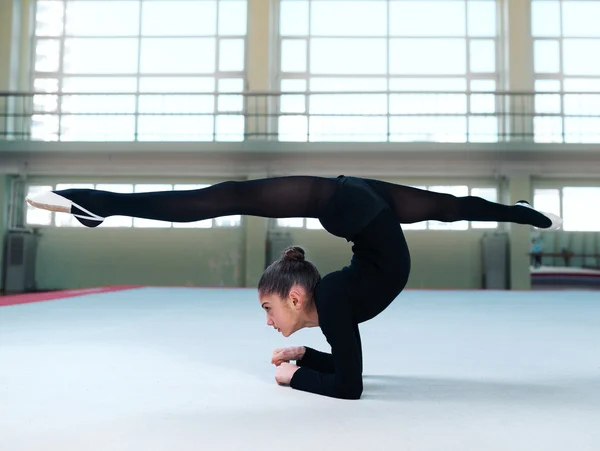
(284, 355)
(284, 373)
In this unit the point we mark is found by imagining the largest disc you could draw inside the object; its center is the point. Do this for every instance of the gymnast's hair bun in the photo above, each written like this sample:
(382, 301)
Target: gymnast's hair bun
(294, 253)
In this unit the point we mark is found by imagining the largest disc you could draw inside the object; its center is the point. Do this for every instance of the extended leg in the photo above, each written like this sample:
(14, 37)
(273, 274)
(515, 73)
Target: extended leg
(278, 197)
(415, 205)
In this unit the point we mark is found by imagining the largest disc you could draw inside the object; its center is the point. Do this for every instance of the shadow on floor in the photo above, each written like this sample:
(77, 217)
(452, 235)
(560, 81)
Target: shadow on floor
(431, 389)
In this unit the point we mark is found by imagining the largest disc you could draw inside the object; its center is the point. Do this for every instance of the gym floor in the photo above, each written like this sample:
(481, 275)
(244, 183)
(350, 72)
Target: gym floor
(147, 368)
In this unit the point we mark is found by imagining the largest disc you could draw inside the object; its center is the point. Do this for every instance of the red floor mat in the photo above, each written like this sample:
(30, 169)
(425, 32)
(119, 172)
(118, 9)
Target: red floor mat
(27, 298)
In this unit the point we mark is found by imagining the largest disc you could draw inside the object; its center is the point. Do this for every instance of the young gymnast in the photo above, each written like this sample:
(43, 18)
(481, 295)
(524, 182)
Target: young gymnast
(291, 291)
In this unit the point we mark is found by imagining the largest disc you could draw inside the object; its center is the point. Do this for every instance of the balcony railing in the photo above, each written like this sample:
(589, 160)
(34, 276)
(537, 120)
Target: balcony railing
(443, 117)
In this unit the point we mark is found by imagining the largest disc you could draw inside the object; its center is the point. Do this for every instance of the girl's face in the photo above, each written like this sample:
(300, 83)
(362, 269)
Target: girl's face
(283, 314)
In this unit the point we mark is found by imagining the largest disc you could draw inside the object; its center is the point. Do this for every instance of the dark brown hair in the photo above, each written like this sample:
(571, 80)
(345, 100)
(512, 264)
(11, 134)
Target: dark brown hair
(291, 268)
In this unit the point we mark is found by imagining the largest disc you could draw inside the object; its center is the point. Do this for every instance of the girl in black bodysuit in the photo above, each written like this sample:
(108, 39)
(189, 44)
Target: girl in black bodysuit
(366, 212)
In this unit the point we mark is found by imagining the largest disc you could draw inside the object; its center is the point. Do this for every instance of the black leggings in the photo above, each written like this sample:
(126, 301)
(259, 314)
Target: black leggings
(294, 196)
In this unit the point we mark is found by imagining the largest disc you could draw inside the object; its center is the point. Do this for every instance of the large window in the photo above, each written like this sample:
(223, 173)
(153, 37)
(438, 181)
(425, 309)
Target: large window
(373, 48)
(138, 50)
(566, 44)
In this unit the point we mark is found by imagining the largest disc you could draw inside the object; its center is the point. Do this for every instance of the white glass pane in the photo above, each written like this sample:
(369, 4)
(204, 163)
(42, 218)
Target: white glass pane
(97, 128)
(348, 56)
(175, 128)
(202, 224)
(293, 104)
(99, 84)
(483, 56)
(415, 18)
(229, 103)
(314, 224)
(177, 84)
(458, 191)
(90, 18)
(44, 127)
(581, 18)
(547, 85)
(45, 85)
(49, 18)
(179, 18)
(293, 85)
(582, 130)
(483, 85)
(47, 55)
(37, 216)
(116, 221)
(489, 194)
(483, 129)
(481, 18)
(428, 103)
(577, 214)
(230, 128)
(293, 55)
(427, 56)
(348, 18)
(231, 55)
(483, 103)
(98, 104)
(415, 226)
(293, 18)
(582, 84)
(290, 222)
(546, 56)
(228, 221)
(176, 104)
(579, 57)
(336, 128)
(545, 18)
(428, 84)
(231, 85)
(143, 222)
(233, 17)
(293, 128)
(65, 219)
(178, 55)
(547, 200)
(547, 129)
(547, 103)
(100, 55)
(45, 104)
(348, 104)
(428, 129)
(348, 84)
(582, 104)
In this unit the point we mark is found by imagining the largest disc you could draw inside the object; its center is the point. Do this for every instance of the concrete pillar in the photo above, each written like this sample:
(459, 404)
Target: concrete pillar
(520, 278)
(259, 61)
(517, 68)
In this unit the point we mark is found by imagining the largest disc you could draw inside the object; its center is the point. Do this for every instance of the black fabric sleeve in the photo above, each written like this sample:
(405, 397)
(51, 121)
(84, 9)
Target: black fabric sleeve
(317, 360)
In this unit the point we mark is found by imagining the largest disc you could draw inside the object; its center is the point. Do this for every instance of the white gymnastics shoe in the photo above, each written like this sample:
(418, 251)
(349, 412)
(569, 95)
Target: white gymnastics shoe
(50, 200)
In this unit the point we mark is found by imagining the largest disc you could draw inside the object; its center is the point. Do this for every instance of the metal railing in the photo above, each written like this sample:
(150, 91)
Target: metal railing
(408, 116)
